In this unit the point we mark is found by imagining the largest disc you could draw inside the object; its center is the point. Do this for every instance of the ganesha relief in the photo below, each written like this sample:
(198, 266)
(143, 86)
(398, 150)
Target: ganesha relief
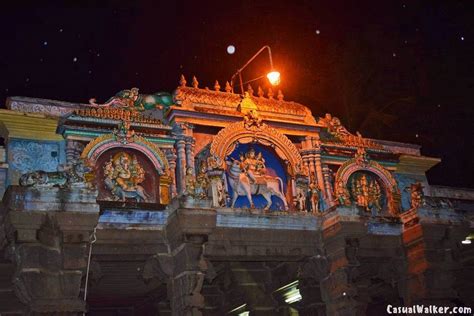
(123, 176)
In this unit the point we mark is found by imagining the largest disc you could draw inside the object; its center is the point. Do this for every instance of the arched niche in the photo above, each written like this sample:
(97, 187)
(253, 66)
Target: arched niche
(226, 140)
(383, 176)
(102, 148)
(253, 131)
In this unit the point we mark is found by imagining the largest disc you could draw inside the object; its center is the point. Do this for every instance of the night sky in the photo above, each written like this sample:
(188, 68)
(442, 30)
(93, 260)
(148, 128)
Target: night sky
(395, 70)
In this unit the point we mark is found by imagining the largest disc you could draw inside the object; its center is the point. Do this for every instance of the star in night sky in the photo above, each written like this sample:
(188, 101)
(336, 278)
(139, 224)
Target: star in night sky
(391, 70)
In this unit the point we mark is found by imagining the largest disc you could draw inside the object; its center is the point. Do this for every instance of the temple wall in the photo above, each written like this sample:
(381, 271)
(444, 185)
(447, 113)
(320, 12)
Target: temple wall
(353, 236)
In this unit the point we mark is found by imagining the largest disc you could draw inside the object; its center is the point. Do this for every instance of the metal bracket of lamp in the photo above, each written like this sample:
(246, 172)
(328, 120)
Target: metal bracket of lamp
(273, 76)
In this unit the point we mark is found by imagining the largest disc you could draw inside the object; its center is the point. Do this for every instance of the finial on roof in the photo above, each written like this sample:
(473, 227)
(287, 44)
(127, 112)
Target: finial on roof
(228, 88)
(217, 86)
(260, 92)
(270, 93)
(182, 81)
(250, 89)
(195, 82)
(280, 95)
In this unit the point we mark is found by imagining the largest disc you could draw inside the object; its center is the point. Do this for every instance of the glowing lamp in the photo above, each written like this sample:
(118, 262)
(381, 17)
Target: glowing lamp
(274, 78)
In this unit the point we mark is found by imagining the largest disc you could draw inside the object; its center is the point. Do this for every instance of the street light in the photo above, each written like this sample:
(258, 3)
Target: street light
(273, 76)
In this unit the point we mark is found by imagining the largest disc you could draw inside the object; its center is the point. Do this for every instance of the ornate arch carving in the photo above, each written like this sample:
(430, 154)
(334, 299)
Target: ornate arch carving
(126, 139)
(253, 130)
(362, 163)
(105, 142)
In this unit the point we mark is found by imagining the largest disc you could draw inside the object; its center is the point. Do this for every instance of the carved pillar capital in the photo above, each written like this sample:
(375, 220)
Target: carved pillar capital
(49, 248)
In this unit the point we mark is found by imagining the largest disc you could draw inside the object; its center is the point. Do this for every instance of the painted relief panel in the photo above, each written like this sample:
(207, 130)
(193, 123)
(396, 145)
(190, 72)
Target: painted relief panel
(367, 191)
(27, 156)
(262, 171)
(126, 176)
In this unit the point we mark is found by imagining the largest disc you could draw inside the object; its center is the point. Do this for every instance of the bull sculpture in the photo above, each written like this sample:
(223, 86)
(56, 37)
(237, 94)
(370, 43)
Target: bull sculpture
(243, 185)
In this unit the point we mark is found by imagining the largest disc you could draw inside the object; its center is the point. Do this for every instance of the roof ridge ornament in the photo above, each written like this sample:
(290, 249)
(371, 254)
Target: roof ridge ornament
(217, 86)
(195, 83)
(280, 95)
(182, 81)
(270, 93)
(228, 88)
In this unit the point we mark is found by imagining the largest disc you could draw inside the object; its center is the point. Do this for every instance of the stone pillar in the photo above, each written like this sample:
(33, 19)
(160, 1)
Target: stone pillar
(171, 157)
(48, 233)
(181, 172)
(431, 248)
(184, 267)
(74, 150)
(306, 164)
(319, 171)
(190, 144)
(327, 186)
(339, 290)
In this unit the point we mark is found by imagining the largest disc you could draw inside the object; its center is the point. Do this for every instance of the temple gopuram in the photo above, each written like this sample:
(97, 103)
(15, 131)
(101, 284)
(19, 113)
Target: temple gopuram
(208, 202)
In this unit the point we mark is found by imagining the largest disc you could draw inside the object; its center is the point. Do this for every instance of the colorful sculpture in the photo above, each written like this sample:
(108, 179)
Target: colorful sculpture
(123, 176)
(70, 175)
(342, 194)
(132, 100)
(366, 194)
(246, 177)
(313, 197)
(416, 194)
(202, 182)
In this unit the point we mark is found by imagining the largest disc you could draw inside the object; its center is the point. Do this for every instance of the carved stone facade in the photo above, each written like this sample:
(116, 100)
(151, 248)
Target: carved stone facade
(207, 202)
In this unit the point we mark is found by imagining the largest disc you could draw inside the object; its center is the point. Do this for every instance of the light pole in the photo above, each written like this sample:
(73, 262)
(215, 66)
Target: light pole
(273, 76)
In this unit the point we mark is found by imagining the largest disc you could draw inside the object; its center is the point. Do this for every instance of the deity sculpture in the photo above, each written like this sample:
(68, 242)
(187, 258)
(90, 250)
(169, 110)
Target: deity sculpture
(124, 134)
(342, 194)
(202, 182)
(248, 176)
(190, 181)
(253, 164)
(313, 197)
(366, 194)
(123, 176)
(252, 119)
(416, 194)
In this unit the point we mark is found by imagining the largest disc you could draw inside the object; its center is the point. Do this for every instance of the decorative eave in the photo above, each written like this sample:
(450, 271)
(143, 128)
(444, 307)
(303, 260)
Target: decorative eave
(416, 164)
(28, 126)
(45, 106)
(86, 128)
(228, 104)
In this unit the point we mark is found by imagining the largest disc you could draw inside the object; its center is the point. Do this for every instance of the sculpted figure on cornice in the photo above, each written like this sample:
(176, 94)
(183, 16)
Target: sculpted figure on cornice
(252, 119)
(334, 125)
(335, 128)
(67, 176)
(123, 176)
(133, 101)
